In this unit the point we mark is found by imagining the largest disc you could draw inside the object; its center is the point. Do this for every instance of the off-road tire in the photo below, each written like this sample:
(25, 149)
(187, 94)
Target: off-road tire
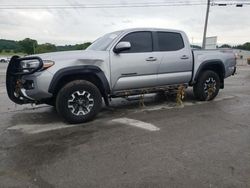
(199, 88)
(65, 95)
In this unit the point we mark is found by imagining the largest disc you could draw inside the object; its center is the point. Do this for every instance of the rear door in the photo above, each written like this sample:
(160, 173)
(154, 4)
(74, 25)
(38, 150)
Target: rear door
(176, 64)
(137, 67)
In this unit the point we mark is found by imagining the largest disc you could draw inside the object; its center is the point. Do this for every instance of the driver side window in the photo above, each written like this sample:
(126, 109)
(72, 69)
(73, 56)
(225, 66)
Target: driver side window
(140, 42)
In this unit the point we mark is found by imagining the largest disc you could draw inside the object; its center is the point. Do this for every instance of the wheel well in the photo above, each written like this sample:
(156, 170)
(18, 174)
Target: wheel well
(217, 67)
(87, 76)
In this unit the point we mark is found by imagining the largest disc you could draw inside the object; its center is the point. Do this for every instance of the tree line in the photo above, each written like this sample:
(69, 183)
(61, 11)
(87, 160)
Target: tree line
(245, 46)
(31, 46)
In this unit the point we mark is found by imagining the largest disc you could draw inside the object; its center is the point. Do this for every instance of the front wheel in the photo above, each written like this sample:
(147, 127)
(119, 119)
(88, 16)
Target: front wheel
(207, 86)
(78, 101)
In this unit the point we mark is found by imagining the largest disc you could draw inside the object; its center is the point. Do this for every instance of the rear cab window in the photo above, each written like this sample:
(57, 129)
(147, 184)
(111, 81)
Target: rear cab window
(169, 41)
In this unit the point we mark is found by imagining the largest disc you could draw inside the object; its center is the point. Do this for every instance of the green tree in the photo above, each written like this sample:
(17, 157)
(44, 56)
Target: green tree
(83, 46)
(73, 47)
(225, 46)
(28, 45)
(47, 47)
(195, 46)
(245, 46)
(9, 45)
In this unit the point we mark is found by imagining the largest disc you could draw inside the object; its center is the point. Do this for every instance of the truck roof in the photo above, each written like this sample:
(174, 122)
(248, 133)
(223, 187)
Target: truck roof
(150, 29)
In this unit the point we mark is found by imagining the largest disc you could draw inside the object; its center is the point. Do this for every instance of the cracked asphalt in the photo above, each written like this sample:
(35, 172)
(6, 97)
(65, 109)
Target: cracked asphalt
(199, 144)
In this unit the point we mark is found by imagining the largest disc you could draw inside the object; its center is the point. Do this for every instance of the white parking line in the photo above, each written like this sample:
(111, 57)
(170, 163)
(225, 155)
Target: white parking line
(39, 128)
(136, 123)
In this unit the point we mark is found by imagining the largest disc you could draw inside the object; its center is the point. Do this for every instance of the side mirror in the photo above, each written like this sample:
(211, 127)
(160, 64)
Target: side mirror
(121, 46)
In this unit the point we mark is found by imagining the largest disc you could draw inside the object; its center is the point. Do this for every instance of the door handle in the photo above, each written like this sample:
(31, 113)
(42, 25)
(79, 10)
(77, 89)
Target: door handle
(184, 57)
(151, 59)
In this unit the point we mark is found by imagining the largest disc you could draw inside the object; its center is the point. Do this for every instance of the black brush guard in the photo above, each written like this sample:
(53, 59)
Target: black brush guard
(14, 78)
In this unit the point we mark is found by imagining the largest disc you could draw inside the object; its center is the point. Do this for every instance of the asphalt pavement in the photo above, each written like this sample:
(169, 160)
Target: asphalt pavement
(159, 145)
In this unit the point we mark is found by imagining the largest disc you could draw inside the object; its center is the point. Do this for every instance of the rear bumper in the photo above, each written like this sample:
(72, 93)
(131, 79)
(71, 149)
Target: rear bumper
(231, 70)
(234, 71)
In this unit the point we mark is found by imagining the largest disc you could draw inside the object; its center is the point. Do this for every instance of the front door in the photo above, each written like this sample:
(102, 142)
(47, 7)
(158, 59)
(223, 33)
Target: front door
(136, 67)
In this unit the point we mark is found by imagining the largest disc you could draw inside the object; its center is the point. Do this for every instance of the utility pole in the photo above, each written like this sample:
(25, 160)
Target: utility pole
(34, 48)
(205, 27)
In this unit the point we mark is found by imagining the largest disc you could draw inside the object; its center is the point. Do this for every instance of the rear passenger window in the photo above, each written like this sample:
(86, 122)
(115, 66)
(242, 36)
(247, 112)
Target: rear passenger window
(169, 41)
(140, 42)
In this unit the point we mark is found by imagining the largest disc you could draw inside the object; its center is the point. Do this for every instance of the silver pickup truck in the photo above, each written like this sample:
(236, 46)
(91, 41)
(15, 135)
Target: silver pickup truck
(119, 64)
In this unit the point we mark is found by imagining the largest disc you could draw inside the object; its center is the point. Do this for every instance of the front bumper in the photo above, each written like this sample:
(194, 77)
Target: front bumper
(23, 84)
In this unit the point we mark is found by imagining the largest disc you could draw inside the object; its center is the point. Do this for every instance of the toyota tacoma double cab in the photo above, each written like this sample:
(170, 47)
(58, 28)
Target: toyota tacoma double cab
(119, 64)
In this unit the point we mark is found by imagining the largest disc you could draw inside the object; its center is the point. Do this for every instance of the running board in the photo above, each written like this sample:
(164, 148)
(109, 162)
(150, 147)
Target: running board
(167, 88)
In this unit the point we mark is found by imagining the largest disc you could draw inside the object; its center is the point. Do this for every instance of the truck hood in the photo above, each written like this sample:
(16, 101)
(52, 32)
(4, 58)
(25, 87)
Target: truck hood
(74, 58)
(73, 55)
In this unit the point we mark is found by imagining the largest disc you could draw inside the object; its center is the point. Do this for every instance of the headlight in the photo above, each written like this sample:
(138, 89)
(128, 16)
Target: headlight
(33, 64)
(30, 64)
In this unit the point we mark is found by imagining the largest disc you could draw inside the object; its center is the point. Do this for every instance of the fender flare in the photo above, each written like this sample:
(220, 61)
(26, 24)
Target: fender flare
(210, 63)
(82, 70)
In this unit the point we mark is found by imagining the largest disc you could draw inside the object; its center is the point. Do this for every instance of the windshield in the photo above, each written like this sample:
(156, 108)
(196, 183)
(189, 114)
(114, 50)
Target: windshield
(102, 43)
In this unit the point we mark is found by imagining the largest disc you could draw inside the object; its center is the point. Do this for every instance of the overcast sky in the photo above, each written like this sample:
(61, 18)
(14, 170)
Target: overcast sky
(70, 26)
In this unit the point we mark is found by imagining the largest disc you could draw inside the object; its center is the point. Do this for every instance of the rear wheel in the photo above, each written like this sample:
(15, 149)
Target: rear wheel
(207, 86)
(78, 101)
